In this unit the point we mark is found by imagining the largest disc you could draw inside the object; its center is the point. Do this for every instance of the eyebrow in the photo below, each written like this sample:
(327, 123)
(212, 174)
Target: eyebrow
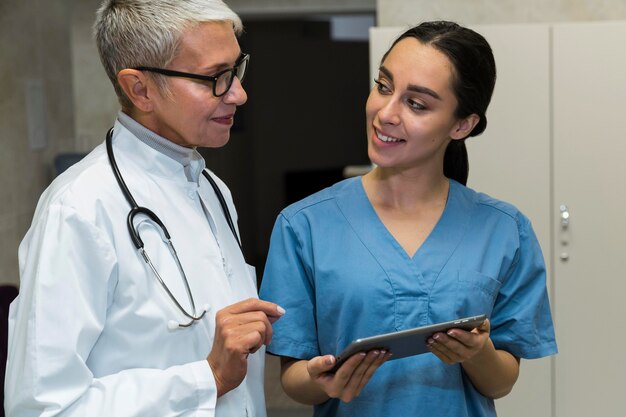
(411, 87)
(223, 65)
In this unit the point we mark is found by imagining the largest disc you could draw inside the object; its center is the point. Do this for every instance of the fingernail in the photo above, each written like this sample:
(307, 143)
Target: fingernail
(330, 360)
(280, 310)
(436, 337)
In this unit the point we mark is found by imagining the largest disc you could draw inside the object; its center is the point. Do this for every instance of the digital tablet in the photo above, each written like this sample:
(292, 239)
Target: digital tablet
(408, 342)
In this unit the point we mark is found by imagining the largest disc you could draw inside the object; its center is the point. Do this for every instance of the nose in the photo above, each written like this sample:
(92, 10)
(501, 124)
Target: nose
(389, 112)
(236, 94)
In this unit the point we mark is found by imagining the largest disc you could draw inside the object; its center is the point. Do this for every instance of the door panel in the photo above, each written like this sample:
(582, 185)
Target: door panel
(511, 162)
(589, 153)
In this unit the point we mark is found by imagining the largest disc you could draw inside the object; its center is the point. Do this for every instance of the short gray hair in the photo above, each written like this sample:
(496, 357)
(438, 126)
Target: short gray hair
(132, 33)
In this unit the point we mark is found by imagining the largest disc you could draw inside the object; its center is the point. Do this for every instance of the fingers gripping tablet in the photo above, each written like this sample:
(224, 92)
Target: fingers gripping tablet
(406, 342)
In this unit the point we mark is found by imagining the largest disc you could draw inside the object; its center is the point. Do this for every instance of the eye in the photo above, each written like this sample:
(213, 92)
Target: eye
(381, 87)
(415, 105)
(206, 83)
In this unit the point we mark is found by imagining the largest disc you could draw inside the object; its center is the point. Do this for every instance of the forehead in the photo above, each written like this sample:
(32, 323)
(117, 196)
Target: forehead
(208, 44)
(412, 62)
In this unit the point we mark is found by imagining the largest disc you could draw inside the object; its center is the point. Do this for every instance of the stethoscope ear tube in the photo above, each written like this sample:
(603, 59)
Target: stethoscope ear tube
(116, 171)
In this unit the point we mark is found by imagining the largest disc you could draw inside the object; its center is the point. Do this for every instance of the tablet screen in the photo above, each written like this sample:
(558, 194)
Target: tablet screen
(408, 342)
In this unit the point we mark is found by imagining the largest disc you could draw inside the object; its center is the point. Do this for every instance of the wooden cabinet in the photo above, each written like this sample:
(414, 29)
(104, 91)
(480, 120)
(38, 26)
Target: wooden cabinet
(555, 146)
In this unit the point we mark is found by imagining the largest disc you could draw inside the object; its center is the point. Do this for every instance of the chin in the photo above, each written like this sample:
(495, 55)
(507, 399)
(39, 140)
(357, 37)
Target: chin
(378, 160)
(219, 144)
(213, 141)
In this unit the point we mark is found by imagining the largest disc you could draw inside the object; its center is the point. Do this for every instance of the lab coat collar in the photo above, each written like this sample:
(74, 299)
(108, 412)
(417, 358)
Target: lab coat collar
(144, 156)
(189, 158)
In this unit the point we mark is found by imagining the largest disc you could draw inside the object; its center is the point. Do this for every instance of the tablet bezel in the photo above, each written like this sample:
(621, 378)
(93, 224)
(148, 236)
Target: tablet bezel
(407, 342)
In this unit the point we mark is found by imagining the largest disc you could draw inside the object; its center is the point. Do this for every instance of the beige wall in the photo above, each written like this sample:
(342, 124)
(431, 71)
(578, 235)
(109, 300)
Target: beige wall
(34, 50)
(96, 102)
(410, 12)
(280, 7)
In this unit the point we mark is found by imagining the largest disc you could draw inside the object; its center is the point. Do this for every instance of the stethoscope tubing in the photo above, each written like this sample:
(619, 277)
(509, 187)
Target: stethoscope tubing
(135, 209)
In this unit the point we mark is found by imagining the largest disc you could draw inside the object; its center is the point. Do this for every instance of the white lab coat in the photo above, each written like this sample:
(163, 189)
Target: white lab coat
(88, 332)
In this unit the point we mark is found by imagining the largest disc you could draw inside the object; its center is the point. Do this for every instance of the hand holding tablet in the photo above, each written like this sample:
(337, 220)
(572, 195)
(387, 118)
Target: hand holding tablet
(406, 342)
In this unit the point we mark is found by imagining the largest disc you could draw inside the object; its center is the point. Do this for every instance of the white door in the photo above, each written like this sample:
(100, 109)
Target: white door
(511, 161)
(590, 179)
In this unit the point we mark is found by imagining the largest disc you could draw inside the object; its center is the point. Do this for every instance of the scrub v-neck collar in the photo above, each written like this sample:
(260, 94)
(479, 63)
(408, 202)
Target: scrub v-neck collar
(434, 251)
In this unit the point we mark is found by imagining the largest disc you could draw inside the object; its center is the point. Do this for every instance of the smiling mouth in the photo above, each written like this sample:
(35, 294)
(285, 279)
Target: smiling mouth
(387, 139)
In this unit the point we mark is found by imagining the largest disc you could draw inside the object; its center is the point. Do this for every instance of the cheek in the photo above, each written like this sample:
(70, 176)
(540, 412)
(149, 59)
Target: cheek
(371, 107)
(198, 101)
(431, 126)
(204, 110)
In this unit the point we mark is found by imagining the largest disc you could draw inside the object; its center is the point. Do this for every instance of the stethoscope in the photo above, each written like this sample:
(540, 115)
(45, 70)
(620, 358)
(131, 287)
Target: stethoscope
(134, 235)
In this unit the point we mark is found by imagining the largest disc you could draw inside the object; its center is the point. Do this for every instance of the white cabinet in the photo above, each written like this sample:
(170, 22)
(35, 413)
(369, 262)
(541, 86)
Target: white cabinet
(589, 89)
(511, 161)
(556, 137)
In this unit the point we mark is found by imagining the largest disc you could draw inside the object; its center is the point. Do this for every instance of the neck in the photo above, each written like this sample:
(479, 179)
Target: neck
(405, 191)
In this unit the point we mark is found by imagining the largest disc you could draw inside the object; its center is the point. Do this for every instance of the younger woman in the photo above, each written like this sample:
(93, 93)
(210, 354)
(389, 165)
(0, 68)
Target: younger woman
(408, 245)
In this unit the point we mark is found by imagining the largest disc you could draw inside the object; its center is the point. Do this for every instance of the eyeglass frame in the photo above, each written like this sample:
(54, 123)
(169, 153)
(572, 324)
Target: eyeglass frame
(243, 58)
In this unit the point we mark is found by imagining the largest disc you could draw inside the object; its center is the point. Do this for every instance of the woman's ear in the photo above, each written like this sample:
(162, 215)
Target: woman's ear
(463, 127)
(135, 85)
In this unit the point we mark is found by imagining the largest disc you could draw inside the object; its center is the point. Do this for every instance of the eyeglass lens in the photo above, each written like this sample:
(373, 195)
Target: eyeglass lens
(225, 80)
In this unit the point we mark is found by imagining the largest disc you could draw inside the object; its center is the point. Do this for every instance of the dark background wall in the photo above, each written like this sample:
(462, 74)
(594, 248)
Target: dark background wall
(303, 122)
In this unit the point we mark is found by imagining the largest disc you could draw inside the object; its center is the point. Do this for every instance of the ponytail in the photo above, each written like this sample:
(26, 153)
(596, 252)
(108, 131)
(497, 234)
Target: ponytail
(456, 162)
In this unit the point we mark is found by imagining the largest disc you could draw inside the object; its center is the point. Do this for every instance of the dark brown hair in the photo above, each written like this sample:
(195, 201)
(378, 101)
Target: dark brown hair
(474, 80)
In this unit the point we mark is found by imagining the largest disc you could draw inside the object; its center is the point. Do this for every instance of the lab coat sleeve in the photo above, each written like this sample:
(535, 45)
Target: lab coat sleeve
(68, 270)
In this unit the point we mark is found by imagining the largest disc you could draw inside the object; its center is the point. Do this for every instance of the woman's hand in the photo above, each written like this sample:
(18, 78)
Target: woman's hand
(240, 329)
(311, 382)
(459, 346)
(492, 371)
(350, 378)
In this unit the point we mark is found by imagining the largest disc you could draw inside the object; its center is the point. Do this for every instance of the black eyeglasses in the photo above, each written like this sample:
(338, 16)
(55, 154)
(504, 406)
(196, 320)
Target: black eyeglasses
(222, 81)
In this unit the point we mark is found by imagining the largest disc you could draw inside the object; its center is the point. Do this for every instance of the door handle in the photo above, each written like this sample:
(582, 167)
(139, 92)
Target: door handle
(564, 216)
(564, 220)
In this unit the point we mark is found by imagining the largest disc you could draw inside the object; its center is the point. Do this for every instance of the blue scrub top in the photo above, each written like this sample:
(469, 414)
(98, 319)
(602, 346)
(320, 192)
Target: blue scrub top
(341, 276)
